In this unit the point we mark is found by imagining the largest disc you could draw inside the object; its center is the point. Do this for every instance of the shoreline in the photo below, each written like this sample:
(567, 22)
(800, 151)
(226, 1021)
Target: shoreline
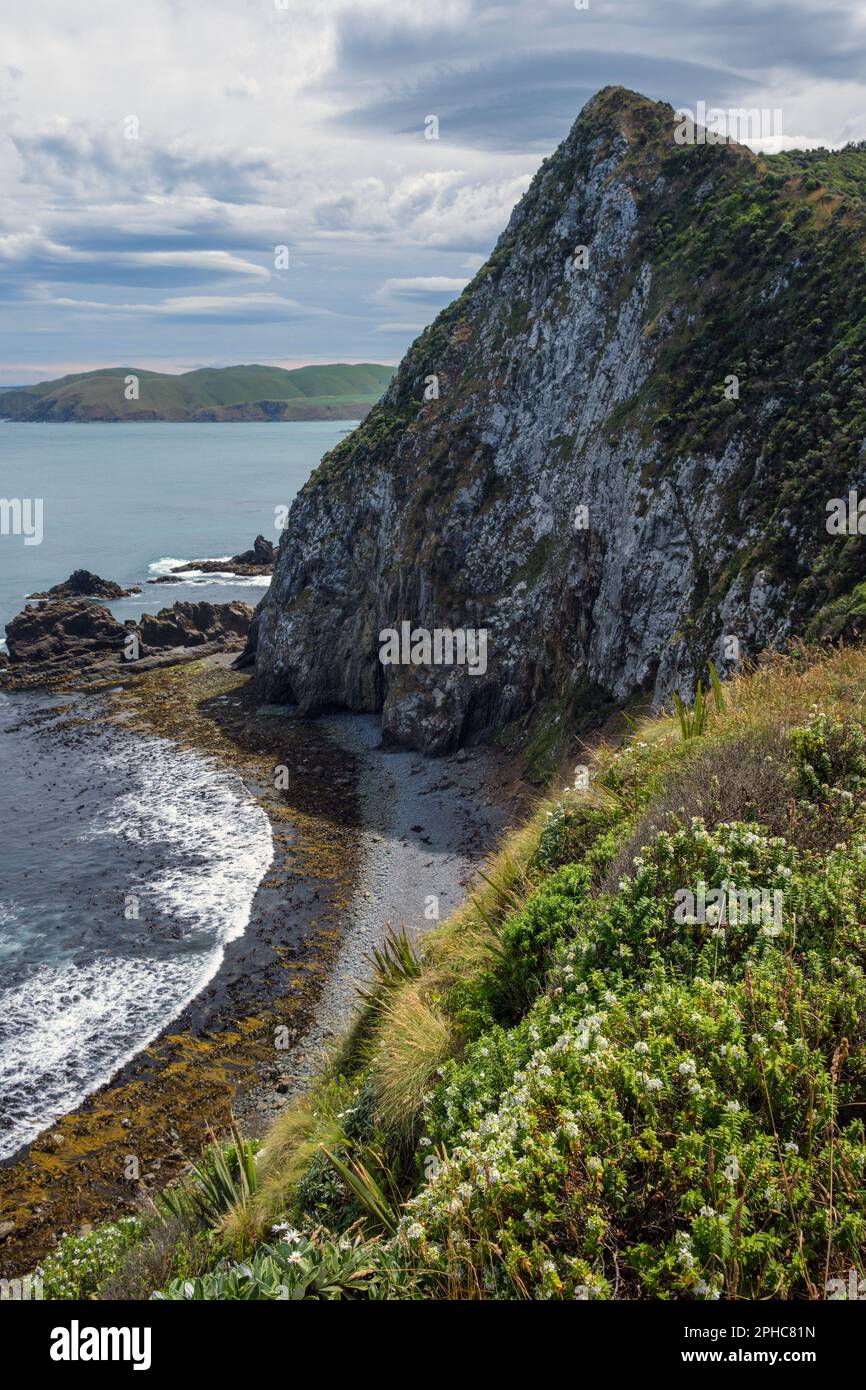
(339, 834)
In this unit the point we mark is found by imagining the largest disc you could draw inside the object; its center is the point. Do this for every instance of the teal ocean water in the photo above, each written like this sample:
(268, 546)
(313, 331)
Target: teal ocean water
(92, 818)
(121, 499)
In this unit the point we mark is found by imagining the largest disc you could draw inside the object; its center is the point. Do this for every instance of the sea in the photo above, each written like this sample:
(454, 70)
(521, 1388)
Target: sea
(126, 864)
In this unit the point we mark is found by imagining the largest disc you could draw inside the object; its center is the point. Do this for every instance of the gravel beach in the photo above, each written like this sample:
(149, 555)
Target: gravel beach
(427, 825)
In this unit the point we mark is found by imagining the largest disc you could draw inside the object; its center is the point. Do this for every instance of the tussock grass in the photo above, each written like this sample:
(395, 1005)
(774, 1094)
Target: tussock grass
(294, 1139)
(413, 1040)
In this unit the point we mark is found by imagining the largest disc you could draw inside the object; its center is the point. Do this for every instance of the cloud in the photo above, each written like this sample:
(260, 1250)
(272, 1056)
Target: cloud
(420, 287)
(304, 127)
(224, 307)
(400, 328)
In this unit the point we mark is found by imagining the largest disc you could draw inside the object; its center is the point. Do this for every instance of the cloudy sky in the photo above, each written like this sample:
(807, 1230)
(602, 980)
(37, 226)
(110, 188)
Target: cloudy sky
(301, 123)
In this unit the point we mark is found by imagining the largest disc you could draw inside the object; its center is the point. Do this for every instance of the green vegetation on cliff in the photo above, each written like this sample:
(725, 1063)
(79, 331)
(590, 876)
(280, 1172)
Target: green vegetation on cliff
(576, 1089)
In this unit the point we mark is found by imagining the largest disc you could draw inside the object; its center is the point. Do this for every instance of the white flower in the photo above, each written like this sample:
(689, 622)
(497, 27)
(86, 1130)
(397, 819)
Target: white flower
(287, 1233)
(415, 1231)
(791, 1147)
(641, 1047)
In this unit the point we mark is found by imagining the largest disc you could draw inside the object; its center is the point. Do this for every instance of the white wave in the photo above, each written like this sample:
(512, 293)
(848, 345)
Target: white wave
(70, 1026)
(197, 804)
(166, 566)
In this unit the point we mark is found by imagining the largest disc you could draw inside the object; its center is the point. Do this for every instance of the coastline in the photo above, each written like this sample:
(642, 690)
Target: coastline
(341, 831)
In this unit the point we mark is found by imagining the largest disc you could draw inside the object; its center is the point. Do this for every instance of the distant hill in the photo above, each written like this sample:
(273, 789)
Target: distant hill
(341, 391)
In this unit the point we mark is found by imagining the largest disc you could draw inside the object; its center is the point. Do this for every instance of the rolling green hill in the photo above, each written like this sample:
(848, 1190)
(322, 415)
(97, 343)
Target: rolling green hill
(341, 391)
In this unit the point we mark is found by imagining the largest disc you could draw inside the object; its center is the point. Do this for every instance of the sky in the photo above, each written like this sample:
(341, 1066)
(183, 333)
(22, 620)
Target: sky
(154, 155)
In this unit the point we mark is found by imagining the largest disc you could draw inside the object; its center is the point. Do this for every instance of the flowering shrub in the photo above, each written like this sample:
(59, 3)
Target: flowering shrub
(668, 1119)
(829, 752)
(80, 1264)
(675, 1140)
(570, 831)
(639, 928)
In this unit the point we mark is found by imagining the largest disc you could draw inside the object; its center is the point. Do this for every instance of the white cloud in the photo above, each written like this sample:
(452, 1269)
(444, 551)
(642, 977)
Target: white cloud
(198, 306)
(260, 127)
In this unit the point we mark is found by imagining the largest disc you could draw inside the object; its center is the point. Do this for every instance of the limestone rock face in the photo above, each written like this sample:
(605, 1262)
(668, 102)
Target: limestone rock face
(557, 461)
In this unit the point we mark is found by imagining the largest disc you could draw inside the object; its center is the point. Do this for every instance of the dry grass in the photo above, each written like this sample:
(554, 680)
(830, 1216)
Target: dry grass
(292, 1142)
(414, 1038)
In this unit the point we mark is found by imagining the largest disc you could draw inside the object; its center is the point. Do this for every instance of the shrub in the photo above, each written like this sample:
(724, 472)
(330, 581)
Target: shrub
(829, 752)
(679, 1140)
(296, 1267)
(80, 1264)
(164, 1250)
(225, 1179)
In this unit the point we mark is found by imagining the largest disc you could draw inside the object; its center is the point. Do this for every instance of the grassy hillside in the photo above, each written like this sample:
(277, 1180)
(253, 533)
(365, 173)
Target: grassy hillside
(341, 391)
(578, 1089)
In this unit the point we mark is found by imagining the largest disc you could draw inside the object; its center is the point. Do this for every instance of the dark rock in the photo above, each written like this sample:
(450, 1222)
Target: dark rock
(83, 584)
(58, 638)
(259, 560)
(68, 628)
(262, 553)
(194, 624)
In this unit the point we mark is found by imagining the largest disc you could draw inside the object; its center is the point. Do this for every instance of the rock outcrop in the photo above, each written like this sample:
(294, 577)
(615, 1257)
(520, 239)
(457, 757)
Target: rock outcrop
(259, 560)
(612, 453)
(63, 630)
(83, 584)
(194, 624)
(57, 638)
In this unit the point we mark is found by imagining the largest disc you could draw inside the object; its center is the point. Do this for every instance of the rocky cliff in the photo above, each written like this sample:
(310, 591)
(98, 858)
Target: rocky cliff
(613, 452)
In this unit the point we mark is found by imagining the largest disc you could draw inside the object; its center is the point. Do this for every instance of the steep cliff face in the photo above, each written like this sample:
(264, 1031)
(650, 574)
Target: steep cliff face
(629, 458)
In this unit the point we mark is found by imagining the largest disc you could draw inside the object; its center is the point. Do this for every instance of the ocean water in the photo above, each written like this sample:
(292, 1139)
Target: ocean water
(126, 864)
(123, 500)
